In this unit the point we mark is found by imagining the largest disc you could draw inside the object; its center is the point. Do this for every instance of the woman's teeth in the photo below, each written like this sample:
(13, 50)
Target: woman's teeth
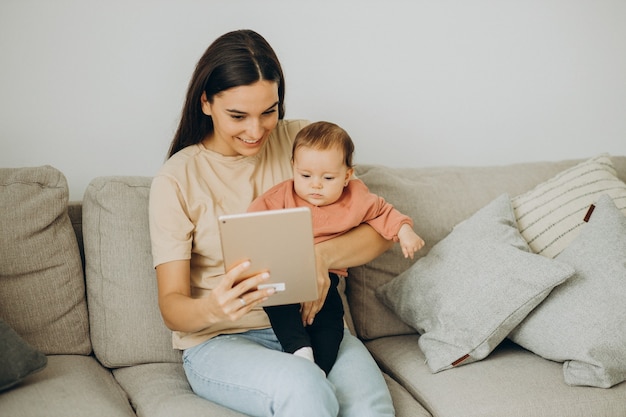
(249, 141)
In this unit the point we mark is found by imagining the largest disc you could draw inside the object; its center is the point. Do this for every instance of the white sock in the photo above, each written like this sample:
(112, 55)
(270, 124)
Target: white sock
(305, 352)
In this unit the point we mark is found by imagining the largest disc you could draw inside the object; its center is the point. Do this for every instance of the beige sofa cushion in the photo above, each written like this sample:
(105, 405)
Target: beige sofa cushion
(162, 390)
(511, 382)
(126, 325)
(42, 290)
(70, 386)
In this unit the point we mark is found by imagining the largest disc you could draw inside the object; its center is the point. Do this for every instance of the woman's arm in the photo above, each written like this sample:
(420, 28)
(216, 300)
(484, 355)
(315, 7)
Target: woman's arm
(356, 247)
(183, 313)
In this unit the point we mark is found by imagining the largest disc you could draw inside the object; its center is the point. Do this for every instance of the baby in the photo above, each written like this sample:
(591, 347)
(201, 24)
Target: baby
(322, 180)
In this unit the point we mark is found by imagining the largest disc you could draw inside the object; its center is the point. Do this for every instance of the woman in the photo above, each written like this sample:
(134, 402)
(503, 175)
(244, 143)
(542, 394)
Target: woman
(231, 145)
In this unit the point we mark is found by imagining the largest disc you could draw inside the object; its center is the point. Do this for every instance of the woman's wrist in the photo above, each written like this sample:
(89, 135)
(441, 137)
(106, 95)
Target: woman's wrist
(322, 258)
(356, 247)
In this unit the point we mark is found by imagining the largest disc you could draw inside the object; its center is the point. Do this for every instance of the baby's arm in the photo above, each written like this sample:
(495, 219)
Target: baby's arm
(410, 242)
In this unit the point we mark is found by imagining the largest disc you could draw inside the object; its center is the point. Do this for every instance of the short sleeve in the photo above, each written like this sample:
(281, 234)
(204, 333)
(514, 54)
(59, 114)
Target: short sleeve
(171, 231)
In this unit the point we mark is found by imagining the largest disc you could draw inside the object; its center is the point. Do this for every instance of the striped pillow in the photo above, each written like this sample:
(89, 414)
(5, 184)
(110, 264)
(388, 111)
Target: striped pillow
(550, 215)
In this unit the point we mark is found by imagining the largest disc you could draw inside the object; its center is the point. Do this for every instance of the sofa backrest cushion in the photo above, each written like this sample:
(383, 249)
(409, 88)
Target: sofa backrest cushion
(126, 324)
(42, 289)
(437, 199)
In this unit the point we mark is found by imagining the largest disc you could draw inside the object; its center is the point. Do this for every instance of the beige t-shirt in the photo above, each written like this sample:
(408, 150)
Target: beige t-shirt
(195, 186)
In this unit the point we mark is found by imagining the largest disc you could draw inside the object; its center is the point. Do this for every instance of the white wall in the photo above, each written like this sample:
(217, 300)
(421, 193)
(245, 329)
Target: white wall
(95, 88)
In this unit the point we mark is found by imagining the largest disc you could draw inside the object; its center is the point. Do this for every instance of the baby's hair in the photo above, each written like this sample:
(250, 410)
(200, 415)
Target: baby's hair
(322, 136)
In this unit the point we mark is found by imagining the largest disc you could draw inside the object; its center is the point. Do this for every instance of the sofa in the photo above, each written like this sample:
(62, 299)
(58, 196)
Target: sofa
(82, 333)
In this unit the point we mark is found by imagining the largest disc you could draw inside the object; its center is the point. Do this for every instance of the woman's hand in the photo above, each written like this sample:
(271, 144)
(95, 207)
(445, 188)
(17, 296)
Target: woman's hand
(356, 247)
(311, 308)
(233, 297)
(228, 301)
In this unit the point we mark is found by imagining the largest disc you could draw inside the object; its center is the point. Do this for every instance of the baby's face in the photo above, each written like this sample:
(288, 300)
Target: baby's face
(320, 175)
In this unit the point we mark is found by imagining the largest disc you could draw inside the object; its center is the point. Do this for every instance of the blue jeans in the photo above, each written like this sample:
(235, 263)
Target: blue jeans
(250, 373)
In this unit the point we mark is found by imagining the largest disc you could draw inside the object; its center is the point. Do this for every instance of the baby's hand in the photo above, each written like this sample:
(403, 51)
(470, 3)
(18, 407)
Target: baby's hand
(410, 242)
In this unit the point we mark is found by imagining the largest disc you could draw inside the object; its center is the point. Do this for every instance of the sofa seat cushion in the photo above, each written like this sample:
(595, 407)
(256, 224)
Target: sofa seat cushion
(42, 288)
(511, 382)
(126, 324)
(70, 386)
(161, 390)
(403, 402)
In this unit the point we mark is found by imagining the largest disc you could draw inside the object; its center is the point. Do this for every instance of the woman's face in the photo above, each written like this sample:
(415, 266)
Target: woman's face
(243, 118)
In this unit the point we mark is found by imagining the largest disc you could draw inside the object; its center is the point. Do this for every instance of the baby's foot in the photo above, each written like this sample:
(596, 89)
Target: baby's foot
(305, 352)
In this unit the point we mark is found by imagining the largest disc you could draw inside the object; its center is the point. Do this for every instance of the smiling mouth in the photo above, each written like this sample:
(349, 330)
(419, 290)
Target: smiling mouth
(250, 142)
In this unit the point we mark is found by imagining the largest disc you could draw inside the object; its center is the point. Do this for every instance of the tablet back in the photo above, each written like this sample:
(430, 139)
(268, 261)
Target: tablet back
(279, 241)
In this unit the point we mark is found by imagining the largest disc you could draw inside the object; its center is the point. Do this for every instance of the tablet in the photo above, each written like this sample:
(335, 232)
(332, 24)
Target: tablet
(278, 241)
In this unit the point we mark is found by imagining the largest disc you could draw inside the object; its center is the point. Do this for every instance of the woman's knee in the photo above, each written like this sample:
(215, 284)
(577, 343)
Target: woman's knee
(370, 397)
(252, 379)
(304, 391)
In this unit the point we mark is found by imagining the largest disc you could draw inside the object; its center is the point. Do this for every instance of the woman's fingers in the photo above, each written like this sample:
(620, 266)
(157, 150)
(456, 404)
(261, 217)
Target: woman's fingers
(311, 308)
(247, 293)
(237, 295)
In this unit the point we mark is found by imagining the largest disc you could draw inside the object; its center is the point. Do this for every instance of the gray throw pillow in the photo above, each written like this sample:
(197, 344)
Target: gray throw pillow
(583, 321)
(18, 359)
(472, 288)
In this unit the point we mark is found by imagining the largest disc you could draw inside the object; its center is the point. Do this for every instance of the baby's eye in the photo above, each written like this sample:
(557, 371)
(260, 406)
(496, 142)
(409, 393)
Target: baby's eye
(305, 175)
(329, 178)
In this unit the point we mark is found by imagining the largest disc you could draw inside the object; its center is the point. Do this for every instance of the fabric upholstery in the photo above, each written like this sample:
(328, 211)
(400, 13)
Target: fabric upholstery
(511, 382)
(403, 402)
(126, 324)
(70, 386)
(42, 289)
(161, 390)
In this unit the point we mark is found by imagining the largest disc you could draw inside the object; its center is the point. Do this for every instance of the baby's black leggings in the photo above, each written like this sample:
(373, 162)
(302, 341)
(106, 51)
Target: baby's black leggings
(324, 335)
